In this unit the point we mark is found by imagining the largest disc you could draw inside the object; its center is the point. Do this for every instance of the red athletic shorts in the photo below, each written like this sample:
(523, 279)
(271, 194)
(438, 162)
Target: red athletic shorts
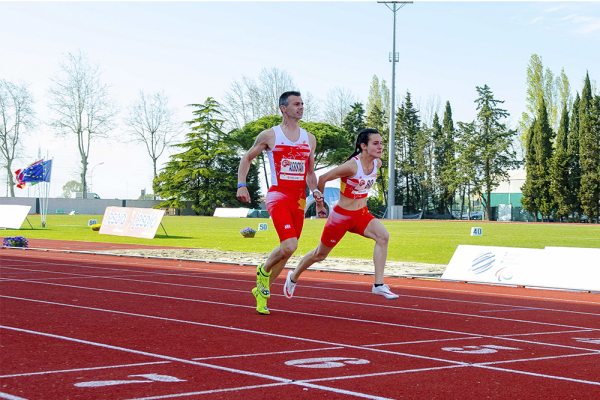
(286, 208)
(341, 221)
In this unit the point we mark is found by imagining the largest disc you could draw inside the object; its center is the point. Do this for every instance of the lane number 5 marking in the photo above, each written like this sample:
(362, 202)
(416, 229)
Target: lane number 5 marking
(148, 378)
(484, 349)
(326, 362)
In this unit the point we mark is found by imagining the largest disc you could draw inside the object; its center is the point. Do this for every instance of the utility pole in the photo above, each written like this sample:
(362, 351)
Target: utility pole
(394, 58)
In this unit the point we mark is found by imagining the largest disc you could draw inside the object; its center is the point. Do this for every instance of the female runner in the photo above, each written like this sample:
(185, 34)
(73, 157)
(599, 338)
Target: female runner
(358, 175)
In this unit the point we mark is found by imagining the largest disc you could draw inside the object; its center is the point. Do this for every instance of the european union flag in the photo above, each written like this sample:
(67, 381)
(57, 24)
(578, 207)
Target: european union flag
(38, 172)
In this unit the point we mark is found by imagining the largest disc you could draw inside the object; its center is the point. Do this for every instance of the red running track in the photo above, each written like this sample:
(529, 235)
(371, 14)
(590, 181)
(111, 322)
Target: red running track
(97, 326)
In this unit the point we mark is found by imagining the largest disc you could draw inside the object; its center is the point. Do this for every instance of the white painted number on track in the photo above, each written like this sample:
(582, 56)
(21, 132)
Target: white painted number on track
(327, 362)
(148, 379)
(484, 349)
(587, 340)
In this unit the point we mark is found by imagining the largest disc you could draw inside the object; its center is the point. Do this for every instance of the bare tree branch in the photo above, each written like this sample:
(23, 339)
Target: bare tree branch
(81, 105)
(337, 105)
(16, 116)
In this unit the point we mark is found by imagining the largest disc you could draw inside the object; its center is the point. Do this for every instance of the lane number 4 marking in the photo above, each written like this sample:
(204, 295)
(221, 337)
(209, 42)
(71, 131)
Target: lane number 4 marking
(588, 340)
(326, 362)
(483, 349)
(148, 378)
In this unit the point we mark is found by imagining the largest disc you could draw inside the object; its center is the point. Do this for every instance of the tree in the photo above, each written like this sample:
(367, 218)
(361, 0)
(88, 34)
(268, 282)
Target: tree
(448, 170)
(355, 120)
(151, 123)
(334, 145)
(559, 173)
(540, 85)
(337, 106)
(205, 172)
(16, 118)
(542, 141)
(71, 187)
(530, 188)
(81, 105)
(589, 152)
(494, 147)
(250, 100)
(574, 165)
(408, 125)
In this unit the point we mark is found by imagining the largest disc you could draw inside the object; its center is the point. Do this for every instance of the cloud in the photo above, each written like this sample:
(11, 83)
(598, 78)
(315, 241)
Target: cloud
(589, 28)
(535, 20)
(552, 9)
(567, 18)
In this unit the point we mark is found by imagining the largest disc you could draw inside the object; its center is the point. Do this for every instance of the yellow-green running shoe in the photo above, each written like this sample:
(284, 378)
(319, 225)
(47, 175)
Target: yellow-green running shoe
(261, 302)
(262, 281)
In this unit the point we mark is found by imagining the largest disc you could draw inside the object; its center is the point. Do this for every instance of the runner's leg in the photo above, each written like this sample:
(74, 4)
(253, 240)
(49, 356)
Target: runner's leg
(313, 256)
(376, 231)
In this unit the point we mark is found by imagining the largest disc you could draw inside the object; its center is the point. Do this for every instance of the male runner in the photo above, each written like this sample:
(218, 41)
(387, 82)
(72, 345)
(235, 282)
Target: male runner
(290, 150)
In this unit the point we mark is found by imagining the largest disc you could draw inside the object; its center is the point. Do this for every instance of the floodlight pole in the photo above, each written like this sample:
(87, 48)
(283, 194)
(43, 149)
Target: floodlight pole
(396, 5)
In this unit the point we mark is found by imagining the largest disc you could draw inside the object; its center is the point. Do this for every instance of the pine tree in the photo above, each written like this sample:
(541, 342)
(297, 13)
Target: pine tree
(574, 165)
(439, 160)
(543, 151)
(355, 120)
(494, 147)
(559, 187)
(205, 173)
(409, 125)
(589, 152)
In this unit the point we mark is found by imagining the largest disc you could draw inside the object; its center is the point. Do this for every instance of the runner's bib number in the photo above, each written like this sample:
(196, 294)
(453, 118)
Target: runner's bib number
(292, 170)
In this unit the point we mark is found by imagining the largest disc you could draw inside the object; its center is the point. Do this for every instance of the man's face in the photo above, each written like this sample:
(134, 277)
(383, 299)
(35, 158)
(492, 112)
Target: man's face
(295, 108)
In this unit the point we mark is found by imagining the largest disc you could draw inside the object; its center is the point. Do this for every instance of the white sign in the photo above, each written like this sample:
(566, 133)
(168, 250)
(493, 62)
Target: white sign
(133, 222)
(12, 217)
(476, 232)
(553, 267)
(92, 222)
(263, 227)
(231, 212)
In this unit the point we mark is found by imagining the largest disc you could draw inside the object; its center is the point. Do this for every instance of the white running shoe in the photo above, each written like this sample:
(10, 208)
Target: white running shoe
(384, 290)
(289, 286)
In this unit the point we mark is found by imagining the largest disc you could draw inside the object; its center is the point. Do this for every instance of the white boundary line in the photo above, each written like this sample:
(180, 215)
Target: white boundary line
(313, 287)
(305, 298)
(396, 285)
(197, 363)
(82, 369)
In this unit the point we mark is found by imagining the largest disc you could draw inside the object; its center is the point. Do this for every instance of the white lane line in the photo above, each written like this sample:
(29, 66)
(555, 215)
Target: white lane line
(561, 378)
(352, 283)
(321, 315)
(338, 378)
(185, 361)
(10, 397)
(537, 359)
(231, 328)
(317, 287)
(421, 341)
(545, 333)
(267, 354)
(170, 396)
(82, 369)
(312, 298)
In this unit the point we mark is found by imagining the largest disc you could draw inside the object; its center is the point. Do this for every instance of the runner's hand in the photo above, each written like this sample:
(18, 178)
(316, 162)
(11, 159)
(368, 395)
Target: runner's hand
(243, 195)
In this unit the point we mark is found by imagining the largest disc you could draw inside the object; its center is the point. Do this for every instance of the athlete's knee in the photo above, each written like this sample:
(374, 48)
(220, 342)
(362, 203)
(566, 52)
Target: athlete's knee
(319, 256)
(288, 247)
(382, 237)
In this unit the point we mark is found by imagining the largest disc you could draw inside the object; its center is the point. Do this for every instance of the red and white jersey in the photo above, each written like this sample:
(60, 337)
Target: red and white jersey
(358, 186)
(289, 160)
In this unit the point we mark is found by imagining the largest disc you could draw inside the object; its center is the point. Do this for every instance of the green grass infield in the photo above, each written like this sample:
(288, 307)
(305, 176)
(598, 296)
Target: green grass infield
(424, 241)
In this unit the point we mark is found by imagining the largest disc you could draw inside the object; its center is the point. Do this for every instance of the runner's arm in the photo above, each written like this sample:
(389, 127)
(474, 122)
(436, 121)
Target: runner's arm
(261, 143)
(346, 169)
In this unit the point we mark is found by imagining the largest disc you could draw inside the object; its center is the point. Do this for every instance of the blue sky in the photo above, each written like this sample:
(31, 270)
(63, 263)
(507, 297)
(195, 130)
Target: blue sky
(194, 50)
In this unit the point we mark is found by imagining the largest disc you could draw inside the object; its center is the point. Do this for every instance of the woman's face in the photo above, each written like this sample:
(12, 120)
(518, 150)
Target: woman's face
(375, 146)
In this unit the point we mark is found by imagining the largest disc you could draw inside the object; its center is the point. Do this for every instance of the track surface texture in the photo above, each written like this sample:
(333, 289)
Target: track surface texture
(84, 326)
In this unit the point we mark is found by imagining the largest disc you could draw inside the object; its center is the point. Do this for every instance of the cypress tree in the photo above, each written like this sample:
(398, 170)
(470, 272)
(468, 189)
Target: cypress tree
(543, 144)
(589, 154)
(530, 187)
(574, 165)
(449, 166)
(559, 186)
(439, 160)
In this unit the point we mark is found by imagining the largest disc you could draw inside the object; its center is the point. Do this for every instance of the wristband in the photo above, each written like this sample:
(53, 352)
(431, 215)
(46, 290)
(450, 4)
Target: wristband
(241, 184)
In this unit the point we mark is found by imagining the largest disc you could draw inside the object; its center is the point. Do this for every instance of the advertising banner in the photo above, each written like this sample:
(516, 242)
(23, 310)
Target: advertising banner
(552, 267)
(12, 217)
(133, 222)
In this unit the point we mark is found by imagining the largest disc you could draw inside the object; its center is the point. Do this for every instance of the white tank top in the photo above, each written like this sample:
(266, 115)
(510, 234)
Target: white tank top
(288, 160)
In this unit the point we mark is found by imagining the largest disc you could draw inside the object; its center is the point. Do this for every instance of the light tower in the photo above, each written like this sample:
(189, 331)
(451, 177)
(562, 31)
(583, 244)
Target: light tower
(394, 58)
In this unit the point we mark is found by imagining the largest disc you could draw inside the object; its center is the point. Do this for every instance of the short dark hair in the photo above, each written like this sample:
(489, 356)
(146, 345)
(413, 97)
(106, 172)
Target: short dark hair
(283, 99)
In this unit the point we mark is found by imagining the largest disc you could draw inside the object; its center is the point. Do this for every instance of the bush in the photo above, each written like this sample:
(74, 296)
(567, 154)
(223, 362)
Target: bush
(96, 227)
